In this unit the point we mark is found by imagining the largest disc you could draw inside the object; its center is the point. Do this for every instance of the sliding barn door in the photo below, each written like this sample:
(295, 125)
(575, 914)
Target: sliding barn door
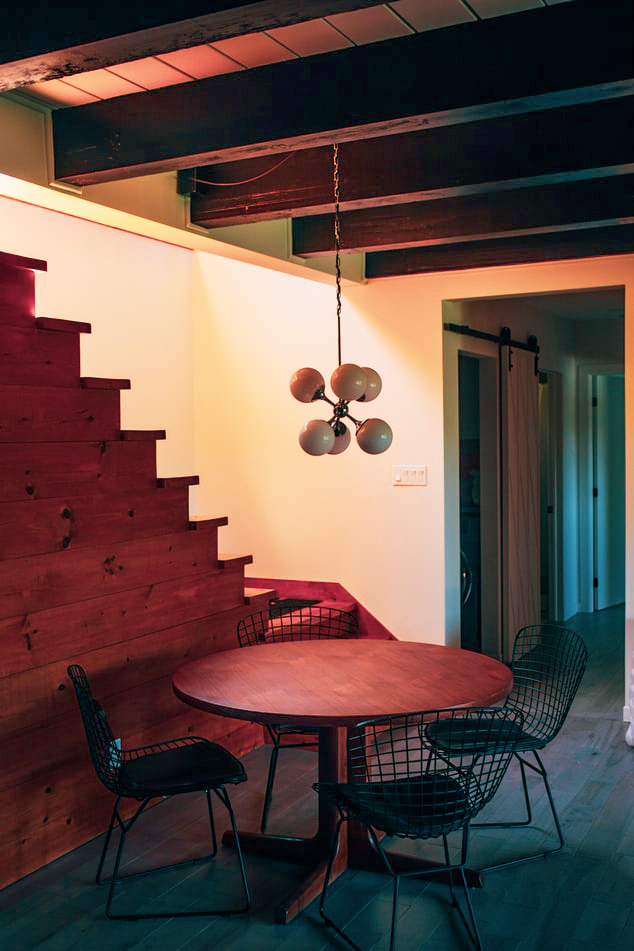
(521, 602)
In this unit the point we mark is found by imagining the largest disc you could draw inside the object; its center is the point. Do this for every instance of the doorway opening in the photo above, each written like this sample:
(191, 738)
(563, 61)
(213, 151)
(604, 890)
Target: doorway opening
(574, 328)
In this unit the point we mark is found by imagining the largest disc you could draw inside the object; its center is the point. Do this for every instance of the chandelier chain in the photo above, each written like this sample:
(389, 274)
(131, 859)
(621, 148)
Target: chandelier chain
(337, 226)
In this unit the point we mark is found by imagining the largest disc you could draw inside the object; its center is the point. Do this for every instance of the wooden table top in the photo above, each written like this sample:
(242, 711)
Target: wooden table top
(328, 683)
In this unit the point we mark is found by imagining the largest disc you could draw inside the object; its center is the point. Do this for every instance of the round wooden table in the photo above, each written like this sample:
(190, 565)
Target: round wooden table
(329, 685)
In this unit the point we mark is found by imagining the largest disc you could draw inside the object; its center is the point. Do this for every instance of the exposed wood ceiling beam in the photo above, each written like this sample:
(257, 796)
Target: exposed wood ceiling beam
(565, 54)
(471, 217)
(526, 249)
(573, 142)
(40, 41)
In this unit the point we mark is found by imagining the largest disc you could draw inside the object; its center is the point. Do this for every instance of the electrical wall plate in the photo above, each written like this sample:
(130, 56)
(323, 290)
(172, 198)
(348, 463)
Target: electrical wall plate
(409, 475)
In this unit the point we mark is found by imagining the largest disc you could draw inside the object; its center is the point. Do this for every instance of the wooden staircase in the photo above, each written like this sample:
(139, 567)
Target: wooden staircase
(100, 564)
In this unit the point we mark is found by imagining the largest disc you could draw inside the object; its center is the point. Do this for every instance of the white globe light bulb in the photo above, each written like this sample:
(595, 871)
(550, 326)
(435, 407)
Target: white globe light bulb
(373, 387)
(306, 383)
(317, 437)
(374, 436)
(342, 439)
(349, 381)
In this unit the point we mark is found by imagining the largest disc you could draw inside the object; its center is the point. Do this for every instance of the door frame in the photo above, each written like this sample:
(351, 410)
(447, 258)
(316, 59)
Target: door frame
(551, 437)
(491, 605)
(585, 475)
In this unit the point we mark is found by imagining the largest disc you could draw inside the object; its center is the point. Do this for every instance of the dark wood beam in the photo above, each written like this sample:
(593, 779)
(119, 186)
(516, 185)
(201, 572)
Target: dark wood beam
(527, 249)
(41, 40)
(498, 213)
(564, 143)
(559, 55)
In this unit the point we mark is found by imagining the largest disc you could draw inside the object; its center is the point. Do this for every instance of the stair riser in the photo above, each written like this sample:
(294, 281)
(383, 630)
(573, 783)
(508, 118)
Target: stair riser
(34, 413)
(38, 357)
(49, 525)
(73, 469)
(17, 296)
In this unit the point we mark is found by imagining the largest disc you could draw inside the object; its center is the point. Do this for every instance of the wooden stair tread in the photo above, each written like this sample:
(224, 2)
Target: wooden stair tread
(199, 523)
(171, 482)
(64, 326)
(18, 260)
(137, 435)
(251, 593)
(225, 559)
(101, 383)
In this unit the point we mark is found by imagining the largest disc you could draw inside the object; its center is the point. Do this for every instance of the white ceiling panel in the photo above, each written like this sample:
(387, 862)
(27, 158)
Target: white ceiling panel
(369, 25)
(200, 62)
(310, 38)
(60, 93)
(498, 8)
(253, 49)
(432, 14)
(103, 84)
(150, 73)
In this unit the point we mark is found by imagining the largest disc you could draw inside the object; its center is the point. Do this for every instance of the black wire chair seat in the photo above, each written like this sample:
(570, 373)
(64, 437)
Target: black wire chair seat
(153, 772)
(548, 664)
(442, 736)
(186, 764)
(409, 808)
(400, 784)
(311, 622)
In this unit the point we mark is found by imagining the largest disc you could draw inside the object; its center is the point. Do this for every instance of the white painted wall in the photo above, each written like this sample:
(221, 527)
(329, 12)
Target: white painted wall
(210, 345)
(136, 294)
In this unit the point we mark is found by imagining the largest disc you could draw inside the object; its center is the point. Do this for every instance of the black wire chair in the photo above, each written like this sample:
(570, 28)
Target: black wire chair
(401, 785)
(189, 764)
(306, 623)
(548, 664)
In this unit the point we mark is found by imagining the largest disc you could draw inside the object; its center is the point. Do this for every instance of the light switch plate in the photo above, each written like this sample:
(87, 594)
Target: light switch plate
(409, 475)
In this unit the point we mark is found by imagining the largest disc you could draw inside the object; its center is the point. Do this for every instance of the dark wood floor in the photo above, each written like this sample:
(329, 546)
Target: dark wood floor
(582, 899)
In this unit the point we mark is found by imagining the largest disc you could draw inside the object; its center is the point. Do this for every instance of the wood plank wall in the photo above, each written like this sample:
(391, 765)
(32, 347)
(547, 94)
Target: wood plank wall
(100, 564)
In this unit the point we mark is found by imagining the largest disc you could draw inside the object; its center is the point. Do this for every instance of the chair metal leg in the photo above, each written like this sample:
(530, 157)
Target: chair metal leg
(540, 769)
(268, 796)
(397, 882)
(470, 923)
(474, 931)
(116, 879)
(322, 899)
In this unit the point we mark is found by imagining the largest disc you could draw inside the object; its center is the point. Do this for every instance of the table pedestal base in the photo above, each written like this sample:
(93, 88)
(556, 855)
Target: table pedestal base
(355, 849)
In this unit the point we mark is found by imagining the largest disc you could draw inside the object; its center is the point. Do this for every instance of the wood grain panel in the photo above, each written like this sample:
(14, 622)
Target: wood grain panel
(48, 525)
(36, 639)
(38, 695)
(46, 581)
(31, 414)
(478, 217)
(53, 469)
(100, 565)
(17, 295)
(66, 807)
(394, 86)
(155, 715)
(434, 163)
(39, 357)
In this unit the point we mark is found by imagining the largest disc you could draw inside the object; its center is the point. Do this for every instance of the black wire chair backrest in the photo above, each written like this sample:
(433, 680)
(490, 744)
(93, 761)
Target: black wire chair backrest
(412, 787)
(548, 664)
(307, 623)
(104, 752)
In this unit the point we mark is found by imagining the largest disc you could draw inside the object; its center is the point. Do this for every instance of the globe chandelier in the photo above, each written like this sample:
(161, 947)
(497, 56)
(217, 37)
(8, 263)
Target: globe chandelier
(349, 382)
